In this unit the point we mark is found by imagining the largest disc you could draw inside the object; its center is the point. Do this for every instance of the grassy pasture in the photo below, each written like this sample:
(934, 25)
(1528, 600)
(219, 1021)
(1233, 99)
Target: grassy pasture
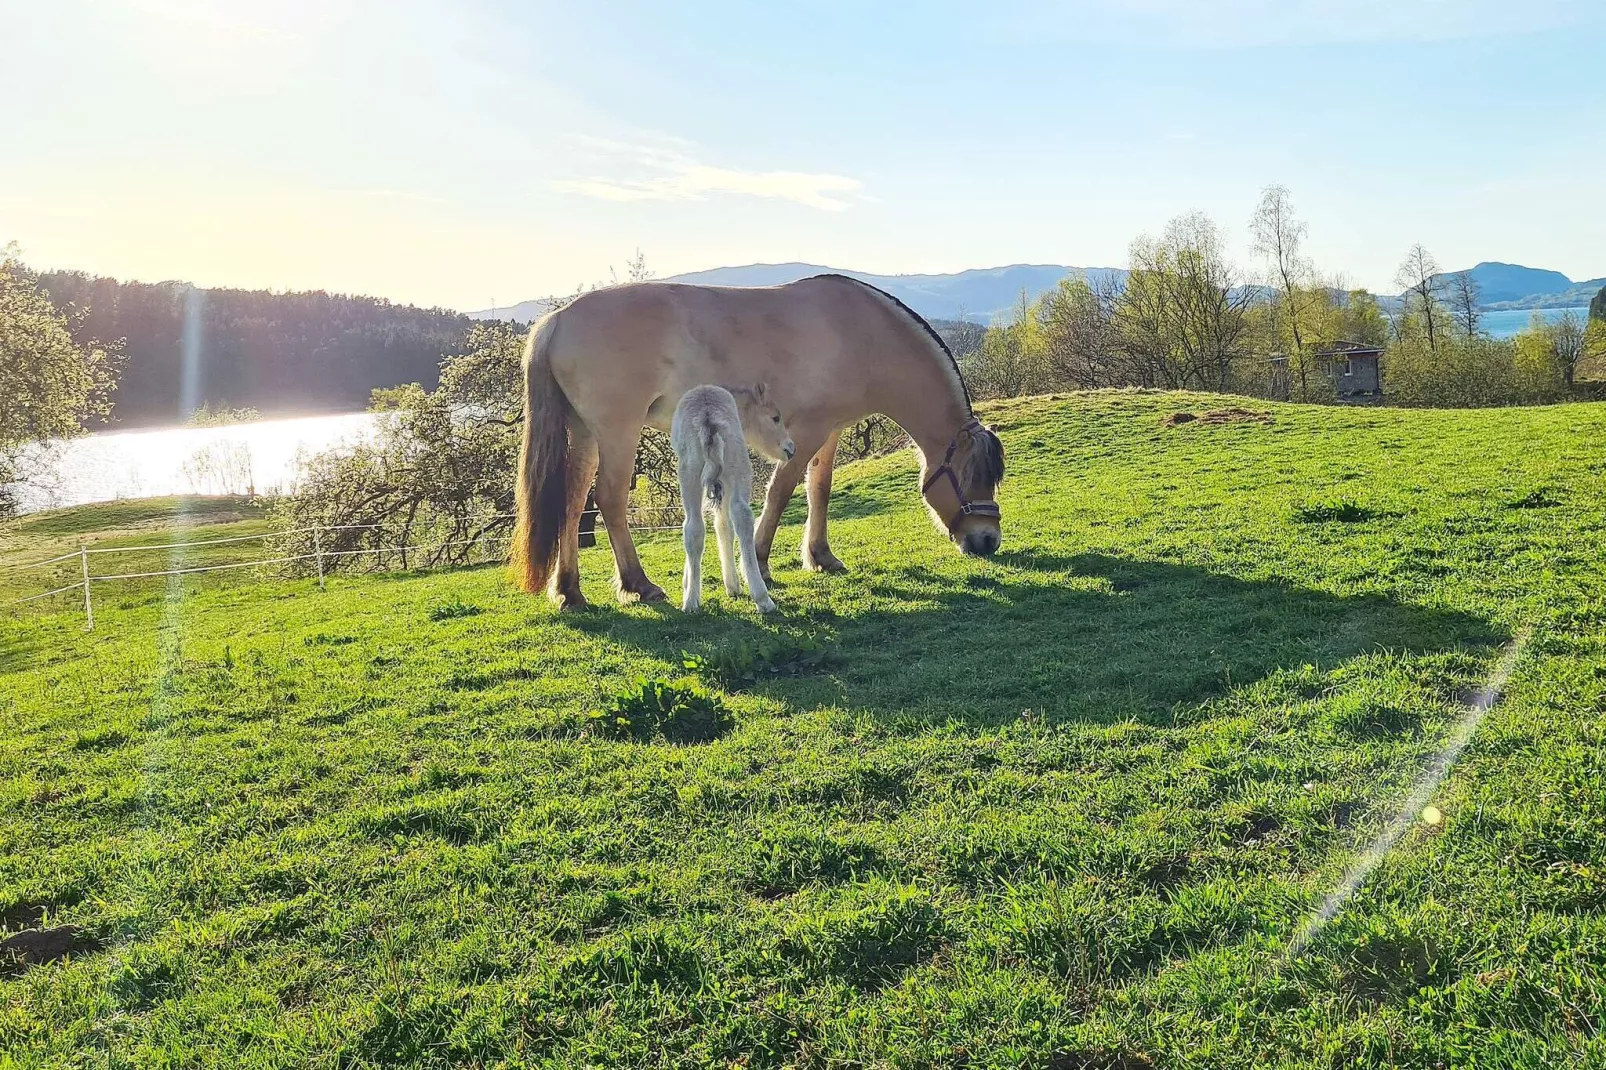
(1065, 808)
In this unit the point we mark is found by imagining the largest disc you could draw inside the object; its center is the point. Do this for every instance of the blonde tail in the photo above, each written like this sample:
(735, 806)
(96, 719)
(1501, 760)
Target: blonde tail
(541, 491)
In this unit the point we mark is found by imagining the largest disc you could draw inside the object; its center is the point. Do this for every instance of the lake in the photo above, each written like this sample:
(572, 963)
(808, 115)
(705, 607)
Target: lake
(235, 459)
(1507, 322)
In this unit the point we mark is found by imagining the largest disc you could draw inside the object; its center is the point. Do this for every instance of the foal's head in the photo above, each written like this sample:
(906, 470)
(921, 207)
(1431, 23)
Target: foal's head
(762, 425)
(959, 488)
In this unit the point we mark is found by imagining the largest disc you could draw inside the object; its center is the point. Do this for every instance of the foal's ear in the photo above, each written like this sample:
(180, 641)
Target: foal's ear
(761, 392)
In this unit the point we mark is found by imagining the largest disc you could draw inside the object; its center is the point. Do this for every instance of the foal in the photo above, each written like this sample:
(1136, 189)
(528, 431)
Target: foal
(711, 431)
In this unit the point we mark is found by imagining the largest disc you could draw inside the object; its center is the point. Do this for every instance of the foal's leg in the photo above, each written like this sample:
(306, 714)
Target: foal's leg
(618, 457)
(817, 555)
(727, 545)
(740, 516)
(691, 579)
(565, 589)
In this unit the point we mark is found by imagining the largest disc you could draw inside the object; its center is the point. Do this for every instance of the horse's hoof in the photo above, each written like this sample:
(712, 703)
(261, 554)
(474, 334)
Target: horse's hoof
(650, 593)
(767, 607)
(823, 561)
(567, 598)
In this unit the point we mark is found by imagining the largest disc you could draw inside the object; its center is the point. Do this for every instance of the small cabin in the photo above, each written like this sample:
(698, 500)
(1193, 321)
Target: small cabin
(1355, 370)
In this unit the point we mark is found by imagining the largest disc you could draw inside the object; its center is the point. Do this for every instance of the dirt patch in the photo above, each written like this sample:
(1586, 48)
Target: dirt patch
(34, 947)
(1231, 415)
(22, 915)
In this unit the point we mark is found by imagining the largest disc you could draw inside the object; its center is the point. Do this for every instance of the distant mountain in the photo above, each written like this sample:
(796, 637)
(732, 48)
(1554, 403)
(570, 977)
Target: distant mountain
(978, 294)
(1514, 286)
(982, 294)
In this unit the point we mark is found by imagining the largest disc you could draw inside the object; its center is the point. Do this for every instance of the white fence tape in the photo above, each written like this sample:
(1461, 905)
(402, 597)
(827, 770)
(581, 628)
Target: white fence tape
(82, 555)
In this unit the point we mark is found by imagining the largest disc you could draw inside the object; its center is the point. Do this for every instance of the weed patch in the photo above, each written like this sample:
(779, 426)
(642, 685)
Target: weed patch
(453, 609)
(739, 665)
(662, 709)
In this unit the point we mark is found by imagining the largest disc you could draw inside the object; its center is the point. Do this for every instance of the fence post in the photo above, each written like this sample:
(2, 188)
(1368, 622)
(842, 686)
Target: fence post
(89, 607)
(317, 549)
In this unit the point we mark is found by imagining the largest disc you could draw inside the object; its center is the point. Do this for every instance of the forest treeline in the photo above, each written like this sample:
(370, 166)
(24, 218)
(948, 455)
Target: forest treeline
(1188, 317)
(278, 353)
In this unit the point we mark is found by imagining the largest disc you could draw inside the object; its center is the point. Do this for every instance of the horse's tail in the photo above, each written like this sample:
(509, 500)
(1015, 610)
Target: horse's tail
(713, 462)
(542, 487)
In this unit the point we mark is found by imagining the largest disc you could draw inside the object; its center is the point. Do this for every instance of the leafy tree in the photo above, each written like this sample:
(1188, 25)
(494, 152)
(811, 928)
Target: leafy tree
(1010, 361)
(1597, 305)
(1594, 363)
(1077, 332)
(1361, 319)
(1180, 320)
(1562, 345)
(438, 472)
(50, 385)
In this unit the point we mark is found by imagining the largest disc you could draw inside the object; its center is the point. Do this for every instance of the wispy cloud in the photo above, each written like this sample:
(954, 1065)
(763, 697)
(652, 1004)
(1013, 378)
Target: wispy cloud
(664, 169)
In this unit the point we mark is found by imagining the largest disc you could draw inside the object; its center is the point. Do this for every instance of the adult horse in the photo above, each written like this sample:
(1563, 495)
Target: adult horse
(831, 350)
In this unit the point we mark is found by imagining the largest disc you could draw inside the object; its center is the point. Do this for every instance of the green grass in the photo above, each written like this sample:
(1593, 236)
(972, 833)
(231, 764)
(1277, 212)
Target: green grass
(1065, 808)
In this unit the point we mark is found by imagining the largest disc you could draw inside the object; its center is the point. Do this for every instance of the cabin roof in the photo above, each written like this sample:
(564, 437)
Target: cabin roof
(1349, 349)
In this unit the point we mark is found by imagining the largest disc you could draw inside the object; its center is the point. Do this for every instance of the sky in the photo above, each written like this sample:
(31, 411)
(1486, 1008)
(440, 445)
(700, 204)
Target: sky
(467, 153)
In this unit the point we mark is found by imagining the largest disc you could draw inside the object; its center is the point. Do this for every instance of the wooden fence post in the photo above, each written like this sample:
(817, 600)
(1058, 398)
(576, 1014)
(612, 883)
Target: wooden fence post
(89, 607)
(317, 549)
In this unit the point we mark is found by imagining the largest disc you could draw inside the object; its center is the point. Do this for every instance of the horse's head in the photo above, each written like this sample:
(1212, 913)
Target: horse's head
(762, 425)
(959, 491)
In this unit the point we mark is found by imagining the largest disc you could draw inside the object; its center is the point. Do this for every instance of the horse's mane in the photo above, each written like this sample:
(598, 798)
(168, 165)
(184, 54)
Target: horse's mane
(918, 318)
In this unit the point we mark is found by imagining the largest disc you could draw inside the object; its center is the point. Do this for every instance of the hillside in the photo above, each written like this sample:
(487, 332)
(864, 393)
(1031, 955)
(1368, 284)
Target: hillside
(1065, 808)
(279, 353)
(1503, 286)
(978, 294)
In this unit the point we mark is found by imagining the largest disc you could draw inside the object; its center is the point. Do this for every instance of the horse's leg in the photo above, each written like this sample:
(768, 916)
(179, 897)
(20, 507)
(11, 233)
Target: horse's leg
(783, 481)
(617, 457)
(739, 515)
(817, 555)
(565, 589)
(724, 539)
(691, 579)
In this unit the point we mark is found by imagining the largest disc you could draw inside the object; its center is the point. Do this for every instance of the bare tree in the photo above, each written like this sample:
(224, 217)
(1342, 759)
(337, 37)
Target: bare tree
(1419, 277)
(1277, 237)
(1464, 296)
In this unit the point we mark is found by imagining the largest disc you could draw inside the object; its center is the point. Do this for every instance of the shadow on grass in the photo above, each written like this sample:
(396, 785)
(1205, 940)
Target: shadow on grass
(1088, 638)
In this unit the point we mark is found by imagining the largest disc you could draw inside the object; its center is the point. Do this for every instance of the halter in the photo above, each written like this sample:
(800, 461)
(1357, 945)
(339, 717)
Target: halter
(966, 506)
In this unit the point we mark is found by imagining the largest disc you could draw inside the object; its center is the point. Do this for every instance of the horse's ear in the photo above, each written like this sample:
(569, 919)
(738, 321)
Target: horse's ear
(760, 392)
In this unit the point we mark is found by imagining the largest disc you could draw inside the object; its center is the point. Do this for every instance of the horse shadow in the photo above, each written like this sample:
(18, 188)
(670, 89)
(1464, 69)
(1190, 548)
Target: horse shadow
(1090, 638)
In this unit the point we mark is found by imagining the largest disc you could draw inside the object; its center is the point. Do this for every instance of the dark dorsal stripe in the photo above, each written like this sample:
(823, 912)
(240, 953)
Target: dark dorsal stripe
(918, 318)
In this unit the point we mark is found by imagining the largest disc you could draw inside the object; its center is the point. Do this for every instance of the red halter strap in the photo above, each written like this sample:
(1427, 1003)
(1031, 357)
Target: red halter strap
(966, 506)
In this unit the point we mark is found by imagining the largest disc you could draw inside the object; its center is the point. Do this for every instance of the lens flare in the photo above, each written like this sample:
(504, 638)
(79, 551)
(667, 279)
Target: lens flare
(1416, 804)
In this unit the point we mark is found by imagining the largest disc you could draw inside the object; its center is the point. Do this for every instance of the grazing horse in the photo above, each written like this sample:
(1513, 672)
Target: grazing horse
(832, 350)
(711, 432)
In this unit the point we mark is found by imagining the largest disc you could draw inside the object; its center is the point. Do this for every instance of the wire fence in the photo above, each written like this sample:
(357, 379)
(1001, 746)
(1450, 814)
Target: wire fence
(324, 559)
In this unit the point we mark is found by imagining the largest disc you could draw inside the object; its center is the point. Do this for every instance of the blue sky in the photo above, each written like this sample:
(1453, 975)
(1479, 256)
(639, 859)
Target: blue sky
(460, 153)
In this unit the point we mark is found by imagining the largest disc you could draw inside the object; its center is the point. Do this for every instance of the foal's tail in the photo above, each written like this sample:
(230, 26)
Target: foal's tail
(713, 463)
(541, 491)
